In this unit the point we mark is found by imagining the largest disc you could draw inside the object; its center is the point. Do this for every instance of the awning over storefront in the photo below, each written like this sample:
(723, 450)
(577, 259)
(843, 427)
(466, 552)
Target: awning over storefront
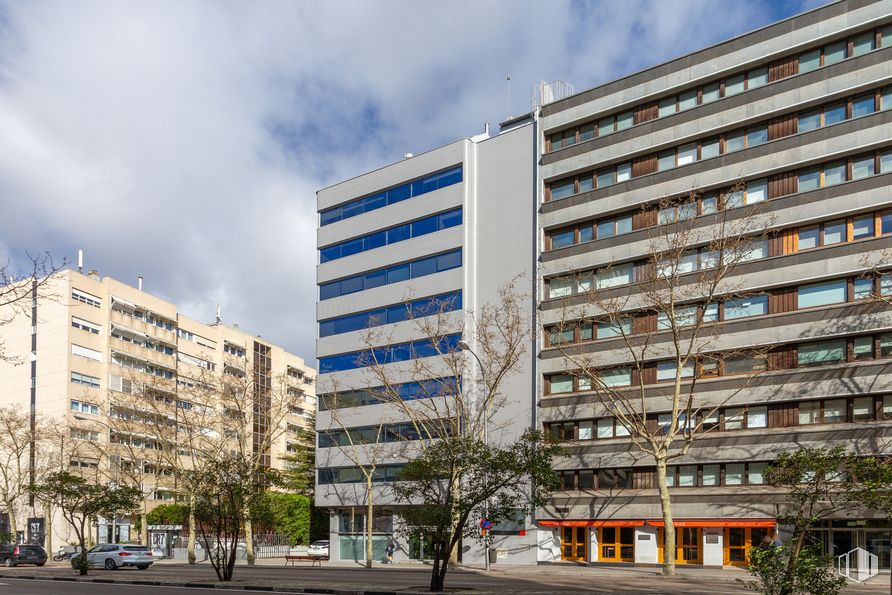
(732, 523)
(597, 523)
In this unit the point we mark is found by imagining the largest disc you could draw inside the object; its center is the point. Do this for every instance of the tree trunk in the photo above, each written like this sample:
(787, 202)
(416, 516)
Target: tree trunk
(249, 539)
(10, 510)
(144, 527)
(190, 546)
(668, 525)
(48, 527)
(436, 581)
(797, 540)
(369, 522)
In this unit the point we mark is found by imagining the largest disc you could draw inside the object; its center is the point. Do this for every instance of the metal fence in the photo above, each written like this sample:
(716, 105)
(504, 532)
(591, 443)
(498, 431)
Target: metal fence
(266, 545)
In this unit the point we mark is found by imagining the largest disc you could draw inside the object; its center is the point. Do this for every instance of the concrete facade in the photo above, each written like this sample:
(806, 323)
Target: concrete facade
(741, 111)
(495, 237)
(94, 336)
(719, 519)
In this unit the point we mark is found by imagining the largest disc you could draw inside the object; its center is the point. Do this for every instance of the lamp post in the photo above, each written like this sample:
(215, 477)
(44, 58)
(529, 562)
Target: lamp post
(465, 347)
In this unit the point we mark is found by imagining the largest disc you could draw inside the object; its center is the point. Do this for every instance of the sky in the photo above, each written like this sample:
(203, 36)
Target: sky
(185, 140)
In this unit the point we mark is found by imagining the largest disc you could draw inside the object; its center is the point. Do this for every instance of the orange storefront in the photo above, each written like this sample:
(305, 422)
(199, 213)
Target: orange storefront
(713, 542)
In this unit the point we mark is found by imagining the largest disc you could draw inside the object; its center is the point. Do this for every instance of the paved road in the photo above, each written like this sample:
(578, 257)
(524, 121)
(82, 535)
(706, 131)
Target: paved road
(552, 578)
(29, 587)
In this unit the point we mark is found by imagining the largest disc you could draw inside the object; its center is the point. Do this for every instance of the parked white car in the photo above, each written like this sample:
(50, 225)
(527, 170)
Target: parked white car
(112, 556)
(318, 548)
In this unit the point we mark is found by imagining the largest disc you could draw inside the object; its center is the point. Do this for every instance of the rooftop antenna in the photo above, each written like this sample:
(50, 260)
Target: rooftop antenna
(508, 98)
(219, 318)
(80, 261)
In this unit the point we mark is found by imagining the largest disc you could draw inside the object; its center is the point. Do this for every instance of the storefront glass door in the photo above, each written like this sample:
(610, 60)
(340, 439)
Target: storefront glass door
(573, 543)
(617, 544)
(739, 541)
(688, 549)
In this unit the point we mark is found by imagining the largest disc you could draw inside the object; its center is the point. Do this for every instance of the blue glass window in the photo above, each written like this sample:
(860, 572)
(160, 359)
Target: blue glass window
(834, 114)
(861, 106)
(398, 234)
(388, 355)
(424, 267)
(394, 234)
(392, 274)
(408, 391)
(394, 195)
(562, 239)
(446, 302)
(398, 273)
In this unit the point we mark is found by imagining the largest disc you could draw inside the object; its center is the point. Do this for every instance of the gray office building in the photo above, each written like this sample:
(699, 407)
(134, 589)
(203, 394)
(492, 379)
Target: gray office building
(800, 112)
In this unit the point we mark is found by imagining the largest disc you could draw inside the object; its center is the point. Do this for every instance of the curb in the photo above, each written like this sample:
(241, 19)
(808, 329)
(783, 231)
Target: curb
(274, 589)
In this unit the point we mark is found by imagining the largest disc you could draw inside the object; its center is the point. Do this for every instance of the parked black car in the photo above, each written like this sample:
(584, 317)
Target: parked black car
(13, 555)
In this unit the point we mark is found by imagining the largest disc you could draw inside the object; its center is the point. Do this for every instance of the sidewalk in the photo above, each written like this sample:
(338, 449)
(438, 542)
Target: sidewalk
(345, 578)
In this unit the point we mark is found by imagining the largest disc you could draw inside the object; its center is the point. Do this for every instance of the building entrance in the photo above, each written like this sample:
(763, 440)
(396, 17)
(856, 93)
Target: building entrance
(688, 549)
(739, 540)
(573, 543)
(616, 544)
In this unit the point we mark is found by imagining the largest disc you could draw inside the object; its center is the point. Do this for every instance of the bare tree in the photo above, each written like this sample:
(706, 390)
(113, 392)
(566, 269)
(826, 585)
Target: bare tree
(136, 457)
(666, 324)
(21, 289)
(457, 367)
(363, 447)
(15, 463)
(237, 413)
(58, 452)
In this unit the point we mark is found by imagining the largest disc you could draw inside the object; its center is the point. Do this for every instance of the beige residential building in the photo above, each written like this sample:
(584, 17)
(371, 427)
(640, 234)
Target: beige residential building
(91, 344)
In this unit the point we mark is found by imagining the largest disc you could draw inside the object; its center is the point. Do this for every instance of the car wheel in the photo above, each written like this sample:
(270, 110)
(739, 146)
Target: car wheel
(143, 566)
(41, 563)
(9, 563)
(110, 564)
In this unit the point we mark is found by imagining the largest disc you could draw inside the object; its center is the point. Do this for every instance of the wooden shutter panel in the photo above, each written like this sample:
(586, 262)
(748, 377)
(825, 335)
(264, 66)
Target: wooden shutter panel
(782, 300)
(641, 166)
(643, 479)
(644, 271)
(783, 126)
(783, 68)
(644, 323)
(782, 415)
(646, 112)
(644, 218)
(783, 184)
(781, 358)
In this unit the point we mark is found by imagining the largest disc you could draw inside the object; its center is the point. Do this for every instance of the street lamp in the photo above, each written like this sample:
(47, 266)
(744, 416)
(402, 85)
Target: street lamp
(465, 347)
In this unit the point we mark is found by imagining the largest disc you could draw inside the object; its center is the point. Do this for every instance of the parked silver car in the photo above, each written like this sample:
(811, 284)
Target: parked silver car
(112, 556)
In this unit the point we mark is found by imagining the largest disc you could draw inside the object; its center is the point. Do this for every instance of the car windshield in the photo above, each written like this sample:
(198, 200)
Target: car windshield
(95, 548)
(136, 548)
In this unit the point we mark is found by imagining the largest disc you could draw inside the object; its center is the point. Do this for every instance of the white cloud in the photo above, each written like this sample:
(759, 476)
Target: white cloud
(185, 141)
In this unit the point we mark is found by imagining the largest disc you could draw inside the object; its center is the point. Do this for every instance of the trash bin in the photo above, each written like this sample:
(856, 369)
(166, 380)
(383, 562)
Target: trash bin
(493, 555)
